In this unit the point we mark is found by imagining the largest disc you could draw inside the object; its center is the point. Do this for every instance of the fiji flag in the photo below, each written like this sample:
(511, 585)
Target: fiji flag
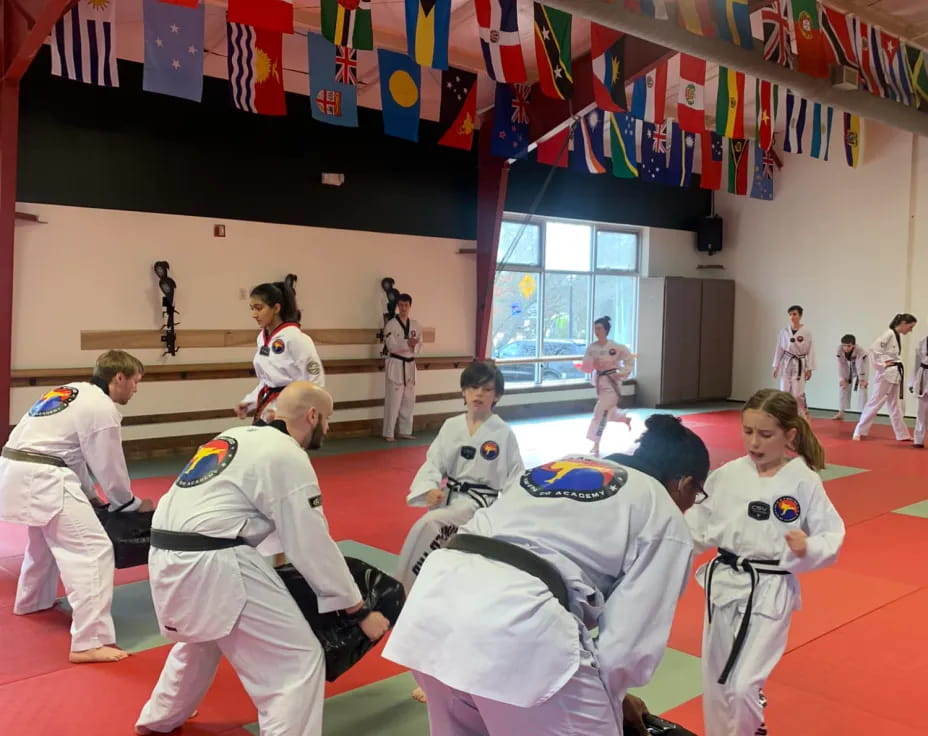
(587, 153)
(762, 188)
(173, 50)
(427, 23)
(400, 79)
(333, 80)
(510, 121)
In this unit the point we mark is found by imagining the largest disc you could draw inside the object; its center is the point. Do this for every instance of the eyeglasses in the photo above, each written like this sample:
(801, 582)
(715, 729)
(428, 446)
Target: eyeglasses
(700, 494)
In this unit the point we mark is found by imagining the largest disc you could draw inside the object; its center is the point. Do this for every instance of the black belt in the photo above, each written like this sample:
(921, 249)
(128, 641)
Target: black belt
(191, 542)
(798, 359)
(901, 368)
(518, 557)
(482, 494)
(402, 357)
(754, 568)
(27, 456)
(265, 395)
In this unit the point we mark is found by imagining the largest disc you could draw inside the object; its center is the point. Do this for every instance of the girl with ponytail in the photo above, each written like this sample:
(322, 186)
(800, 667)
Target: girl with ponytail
(610, 363)
(769, 517)
(285, 353)
(888, 380)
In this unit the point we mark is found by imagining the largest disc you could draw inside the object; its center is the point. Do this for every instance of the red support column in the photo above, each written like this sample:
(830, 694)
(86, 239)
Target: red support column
(492, 178)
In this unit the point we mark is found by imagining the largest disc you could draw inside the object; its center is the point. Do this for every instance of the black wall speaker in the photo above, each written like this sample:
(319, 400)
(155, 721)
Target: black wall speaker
(709, 234)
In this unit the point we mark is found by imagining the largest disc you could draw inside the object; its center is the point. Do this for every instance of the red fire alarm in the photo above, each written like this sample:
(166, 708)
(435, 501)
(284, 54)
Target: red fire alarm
(219, 231)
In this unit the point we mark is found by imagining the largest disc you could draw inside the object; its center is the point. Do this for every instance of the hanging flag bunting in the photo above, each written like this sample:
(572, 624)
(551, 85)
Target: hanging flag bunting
(737, 166)
(554, 151)
(795, 123)
(256, 70)
(712, 156)
(808, 34)
(607, 48)
(587, 153)
(691, 105)
(333, 80)
(733, 21)
(83, 44)
(852, 139)
(427, 26)
(498, 23)
(624, 133)
(762, 188)
(173, 50)
(649, 95)
(511, 121)
(654, 8)
(869, 52)
(269, 15)
(654, 152)
(897, 78)
(348, 23)
(839, 31)
(552, 52)
(776, 24)
(821, 131)
(682, 155)
(729, 106)
(400, 98)
(696, 17)
(918, 76)
(766, 97)
(458, 112)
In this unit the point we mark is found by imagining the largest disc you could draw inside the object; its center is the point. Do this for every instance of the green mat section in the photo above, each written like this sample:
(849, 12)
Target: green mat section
(382, 560)
(916, 509)
(678, 678)
(831, 472)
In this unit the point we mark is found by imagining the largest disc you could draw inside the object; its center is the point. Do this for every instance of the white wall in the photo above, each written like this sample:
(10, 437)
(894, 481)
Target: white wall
(92, 270)
(673, 253)
(837, 241)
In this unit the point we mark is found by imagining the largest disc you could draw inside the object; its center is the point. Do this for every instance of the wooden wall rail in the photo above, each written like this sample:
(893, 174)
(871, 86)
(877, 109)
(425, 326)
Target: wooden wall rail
(215, 371)
(140, 339)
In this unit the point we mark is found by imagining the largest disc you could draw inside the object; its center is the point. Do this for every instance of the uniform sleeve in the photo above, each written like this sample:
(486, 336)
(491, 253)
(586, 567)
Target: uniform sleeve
(87, 485)
(635, 623)
(431, 473)
(588, 360)
(514, 462)
(628, 362)
(304, 536)
(418, 349)
(879, 350)
(863, 365)
(698, 515)
(310, 364)
(825, 528)
(102, 449)
(393, 338)
(810, 358)
(251, 398)
(778, 353)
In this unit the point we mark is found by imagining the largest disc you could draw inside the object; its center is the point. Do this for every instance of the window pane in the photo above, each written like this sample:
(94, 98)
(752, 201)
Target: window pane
(566, 324)
(515, 323)
(616, 297)
(567, 246)
(519, 246)
(617, 250)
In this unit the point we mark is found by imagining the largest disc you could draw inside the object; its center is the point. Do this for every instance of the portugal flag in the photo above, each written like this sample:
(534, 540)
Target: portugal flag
(458, 116)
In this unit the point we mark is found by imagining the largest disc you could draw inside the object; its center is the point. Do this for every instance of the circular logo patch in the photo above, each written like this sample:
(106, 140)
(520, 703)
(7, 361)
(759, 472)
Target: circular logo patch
(578, 479)
(277, 346)
(489, 450)
(786, 508)
(54, 401)
(313, 368)
(612, 351)
(805, 24)
(210, 460)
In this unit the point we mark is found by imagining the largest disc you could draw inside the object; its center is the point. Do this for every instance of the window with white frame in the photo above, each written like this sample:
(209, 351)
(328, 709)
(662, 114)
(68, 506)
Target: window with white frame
(553, 278)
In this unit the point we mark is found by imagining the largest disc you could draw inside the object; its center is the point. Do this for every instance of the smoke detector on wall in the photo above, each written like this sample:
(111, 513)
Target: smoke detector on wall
(333, 180)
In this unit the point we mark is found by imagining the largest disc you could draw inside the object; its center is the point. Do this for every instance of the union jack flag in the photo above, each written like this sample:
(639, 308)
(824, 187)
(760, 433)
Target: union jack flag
(776, 25)
(768, 163)
(659, 138)
(329, 102)
(346, 65)
(520, 103)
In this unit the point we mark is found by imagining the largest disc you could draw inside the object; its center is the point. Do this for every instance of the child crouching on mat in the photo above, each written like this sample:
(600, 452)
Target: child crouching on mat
(770, 518)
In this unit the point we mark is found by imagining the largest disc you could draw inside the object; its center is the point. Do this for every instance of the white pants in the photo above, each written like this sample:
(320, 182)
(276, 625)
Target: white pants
(921, 421)
(845, 397)
(795, 385)
(399, 402)
(432, 531)
(74, 546)
(606, 410)
(883, 393)
(737, 707)
(581, 708)
(272, 649)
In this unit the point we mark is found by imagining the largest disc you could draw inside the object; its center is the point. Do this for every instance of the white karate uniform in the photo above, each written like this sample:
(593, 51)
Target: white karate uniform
(79, 424)
(400, 375)
(919, 387)
(886, 386)
(247, 482)
(624, 552)
(490, 457)
(855, 370)
(611, 363)
(285, 355)
(794, 356)
(750, 516)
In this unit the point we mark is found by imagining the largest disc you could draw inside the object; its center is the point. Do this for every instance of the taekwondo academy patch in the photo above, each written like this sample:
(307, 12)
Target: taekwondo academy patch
(315, 502)
(54, 401)
(278, 346)
(578, 479)
(313, 368)
(468, 452)
(208, 462)
(786, 509)
(800, 338)
(612, 351)
(489, 450)
(759, 510)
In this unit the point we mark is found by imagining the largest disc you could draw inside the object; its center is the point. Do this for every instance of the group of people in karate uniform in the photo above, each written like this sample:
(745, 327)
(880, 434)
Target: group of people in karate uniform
(537, 598)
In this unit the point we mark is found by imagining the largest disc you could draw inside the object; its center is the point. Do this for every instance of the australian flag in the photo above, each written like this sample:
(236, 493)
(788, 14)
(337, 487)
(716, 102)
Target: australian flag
(510, 121)
(173, 50)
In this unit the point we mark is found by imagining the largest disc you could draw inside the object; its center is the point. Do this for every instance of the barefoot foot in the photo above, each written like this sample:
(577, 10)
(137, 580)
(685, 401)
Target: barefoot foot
(100, 654)
(839, 417)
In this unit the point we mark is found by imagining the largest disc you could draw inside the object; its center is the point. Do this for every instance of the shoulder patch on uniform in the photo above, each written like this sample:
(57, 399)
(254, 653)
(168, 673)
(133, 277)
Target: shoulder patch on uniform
(53, 402)
(278, 346)
(577, 479)
(315, 502)
(314, 367)
(759, 510)
(208, 462)
(787, 509)
(489, 450)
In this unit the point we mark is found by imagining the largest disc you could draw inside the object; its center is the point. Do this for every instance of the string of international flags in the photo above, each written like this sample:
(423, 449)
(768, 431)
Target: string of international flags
(639, 137)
